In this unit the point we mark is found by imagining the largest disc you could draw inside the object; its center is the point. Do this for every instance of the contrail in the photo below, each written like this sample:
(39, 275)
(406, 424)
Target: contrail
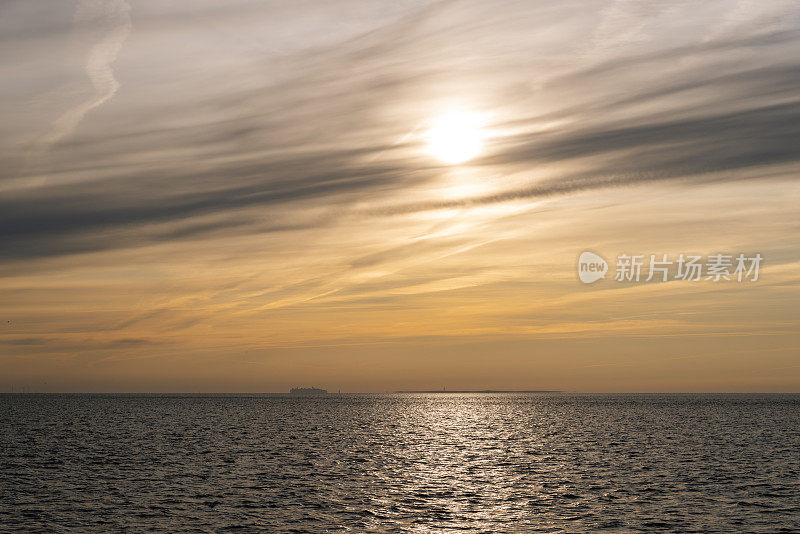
(115, 15)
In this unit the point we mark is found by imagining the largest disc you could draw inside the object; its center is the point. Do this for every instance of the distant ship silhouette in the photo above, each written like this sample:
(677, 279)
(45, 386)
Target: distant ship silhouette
(308, 391)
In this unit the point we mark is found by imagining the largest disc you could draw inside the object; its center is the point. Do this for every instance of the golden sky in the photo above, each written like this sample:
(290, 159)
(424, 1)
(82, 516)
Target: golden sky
(371, 196)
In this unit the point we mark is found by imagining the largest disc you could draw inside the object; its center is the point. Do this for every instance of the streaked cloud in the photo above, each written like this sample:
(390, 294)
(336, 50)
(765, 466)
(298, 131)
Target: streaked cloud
(230, 178)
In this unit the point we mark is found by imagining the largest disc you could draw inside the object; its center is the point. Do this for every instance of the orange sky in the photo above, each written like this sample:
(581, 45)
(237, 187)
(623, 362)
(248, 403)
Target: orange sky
(192, 202)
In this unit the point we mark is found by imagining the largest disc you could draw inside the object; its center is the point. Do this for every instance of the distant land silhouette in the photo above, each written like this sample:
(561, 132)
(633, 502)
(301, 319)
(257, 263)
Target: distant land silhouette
(478, 391)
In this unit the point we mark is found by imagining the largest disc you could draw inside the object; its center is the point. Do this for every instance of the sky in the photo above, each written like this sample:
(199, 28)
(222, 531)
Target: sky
(246, 196)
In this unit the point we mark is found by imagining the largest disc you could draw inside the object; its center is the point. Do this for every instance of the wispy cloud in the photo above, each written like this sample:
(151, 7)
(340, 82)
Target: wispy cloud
(113, 22)
(608, 111)
(201, 168)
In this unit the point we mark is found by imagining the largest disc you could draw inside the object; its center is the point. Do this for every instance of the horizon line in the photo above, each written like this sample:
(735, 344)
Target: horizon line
(394, 392)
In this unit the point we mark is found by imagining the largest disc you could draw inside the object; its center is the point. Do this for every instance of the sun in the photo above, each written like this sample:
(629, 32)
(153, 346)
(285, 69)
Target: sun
(455, 137)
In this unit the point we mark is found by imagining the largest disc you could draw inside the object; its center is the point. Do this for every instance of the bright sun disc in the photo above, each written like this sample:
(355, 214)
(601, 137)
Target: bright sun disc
(455, 137)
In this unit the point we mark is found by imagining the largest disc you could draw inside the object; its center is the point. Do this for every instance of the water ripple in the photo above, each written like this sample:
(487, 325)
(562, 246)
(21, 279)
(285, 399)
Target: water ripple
(401, 463)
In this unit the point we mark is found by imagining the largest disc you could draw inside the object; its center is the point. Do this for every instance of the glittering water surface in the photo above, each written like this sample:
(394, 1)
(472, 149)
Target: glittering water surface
(401, 463)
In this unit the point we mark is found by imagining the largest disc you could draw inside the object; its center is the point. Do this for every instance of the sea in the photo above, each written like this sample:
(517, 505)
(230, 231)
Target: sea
(437, 462)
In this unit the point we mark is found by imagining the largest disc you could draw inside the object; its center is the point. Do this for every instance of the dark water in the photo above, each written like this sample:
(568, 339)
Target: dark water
(401, 463)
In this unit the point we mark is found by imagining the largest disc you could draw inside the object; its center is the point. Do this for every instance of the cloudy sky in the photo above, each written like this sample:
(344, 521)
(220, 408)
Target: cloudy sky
(245, 195)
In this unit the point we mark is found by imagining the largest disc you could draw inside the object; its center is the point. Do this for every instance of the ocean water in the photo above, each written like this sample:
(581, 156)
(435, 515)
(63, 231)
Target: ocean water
(401, 463)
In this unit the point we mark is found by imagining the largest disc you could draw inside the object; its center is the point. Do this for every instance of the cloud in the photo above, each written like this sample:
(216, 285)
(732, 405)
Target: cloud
(286, 136)
(113, 19)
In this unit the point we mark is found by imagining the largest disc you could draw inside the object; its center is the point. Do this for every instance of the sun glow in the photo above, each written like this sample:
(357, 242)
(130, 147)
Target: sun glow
(455, 137)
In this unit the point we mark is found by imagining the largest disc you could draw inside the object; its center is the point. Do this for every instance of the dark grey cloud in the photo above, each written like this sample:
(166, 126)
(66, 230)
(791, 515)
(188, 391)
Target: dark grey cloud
(766, 135)
(56, 345)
